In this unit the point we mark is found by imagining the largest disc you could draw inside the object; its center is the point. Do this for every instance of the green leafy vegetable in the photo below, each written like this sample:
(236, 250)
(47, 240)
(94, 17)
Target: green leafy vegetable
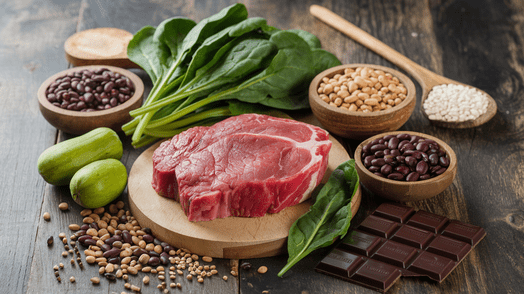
(227, 56)
(328, 218)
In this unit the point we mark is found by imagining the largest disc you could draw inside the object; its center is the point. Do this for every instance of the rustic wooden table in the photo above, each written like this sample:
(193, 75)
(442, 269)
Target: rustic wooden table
(478, 42)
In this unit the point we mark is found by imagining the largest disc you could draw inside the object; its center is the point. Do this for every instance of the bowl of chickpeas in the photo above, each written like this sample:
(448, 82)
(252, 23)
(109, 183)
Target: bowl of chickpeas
(357, 101)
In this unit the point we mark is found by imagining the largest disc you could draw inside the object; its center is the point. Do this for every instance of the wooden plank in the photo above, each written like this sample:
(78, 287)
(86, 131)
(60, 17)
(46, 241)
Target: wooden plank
(30, 34)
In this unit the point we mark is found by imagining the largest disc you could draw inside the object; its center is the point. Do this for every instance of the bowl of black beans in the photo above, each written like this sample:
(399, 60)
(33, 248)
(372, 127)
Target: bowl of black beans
(405, 166)
(84, 98)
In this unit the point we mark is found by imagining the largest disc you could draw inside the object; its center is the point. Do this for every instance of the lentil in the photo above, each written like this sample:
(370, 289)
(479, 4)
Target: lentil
(47, 216)
(455, 103)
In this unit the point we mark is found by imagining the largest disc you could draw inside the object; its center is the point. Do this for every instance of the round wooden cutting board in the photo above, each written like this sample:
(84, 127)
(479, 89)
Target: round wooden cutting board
(232, 237)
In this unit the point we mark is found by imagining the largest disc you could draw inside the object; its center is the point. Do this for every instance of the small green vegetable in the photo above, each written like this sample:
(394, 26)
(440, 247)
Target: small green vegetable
(328, 218)
(98, 183)
(227, 56)
(58, 163)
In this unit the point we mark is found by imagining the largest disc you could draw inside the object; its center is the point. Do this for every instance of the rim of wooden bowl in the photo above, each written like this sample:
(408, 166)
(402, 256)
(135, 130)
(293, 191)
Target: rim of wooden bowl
(451, 170)
(124, 107)
(330, 72)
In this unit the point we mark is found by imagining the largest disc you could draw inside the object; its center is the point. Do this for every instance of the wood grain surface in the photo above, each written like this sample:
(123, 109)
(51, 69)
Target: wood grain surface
(478, 43)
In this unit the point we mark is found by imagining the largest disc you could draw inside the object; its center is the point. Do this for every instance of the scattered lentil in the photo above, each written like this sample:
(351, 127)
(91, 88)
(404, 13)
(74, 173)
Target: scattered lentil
(224, 278)
(47, 216)
(72, 279)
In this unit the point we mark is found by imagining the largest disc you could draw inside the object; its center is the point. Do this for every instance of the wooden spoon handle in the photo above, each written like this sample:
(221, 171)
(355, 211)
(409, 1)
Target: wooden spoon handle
(354, 32)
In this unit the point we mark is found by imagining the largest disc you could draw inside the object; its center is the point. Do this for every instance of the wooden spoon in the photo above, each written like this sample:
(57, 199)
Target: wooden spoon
(100, 46)
(426, 78)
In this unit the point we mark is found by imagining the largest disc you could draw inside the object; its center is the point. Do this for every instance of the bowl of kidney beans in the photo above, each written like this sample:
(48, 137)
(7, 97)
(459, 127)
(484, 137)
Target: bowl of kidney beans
(405, 166)
(83, 98)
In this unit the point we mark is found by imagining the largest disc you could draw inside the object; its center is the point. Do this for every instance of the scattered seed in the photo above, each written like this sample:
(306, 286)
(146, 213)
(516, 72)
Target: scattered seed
(95, 280)
(47, 216)
(59, 279)
(207, 258)
(172, 285)
(61, 265)
(146, 280)
(50, 241)
(61, 236)
(72, 279)
(135, 288)
(189, 277)
(74, 227)
(224, 278)
(65, 254)
(63, 206)
(246, 266)
(234, 274)
(110, 276)
(262, 270)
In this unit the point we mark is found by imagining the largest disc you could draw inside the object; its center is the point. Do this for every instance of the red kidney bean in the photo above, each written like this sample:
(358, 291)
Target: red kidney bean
(393, 143)
(424, 177)
(148, 238)
(154, 261)
(404, 170)
(112, 253)
(400, 158)
(402, 143)
(412, 176)
(378, 162)
(87, 86)
(379, 174)
(433, 159)
(374, 168)
(378, 147)
(84, 237)
(89, 242)
(126, 237)
(407, 146)
(422, 167)
(444, 161)
(139, 251)
(380, 153)
(411, 161)
(105, 247)
(386, 169)
(395, 176)
(440, 171)
(368, 159)
(389, 159)
(114, 260)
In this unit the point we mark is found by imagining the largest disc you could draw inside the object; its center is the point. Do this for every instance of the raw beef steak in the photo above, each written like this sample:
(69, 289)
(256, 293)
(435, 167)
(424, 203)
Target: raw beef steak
(246, 166)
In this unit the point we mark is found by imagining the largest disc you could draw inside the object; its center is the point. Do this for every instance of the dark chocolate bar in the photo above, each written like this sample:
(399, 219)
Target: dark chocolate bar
(394, 241)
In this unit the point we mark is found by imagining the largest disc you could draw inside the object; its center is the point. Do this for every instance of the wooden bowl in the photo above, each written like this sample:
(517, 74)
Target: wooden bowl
(359, 125)
(406, 191)
(76, 122)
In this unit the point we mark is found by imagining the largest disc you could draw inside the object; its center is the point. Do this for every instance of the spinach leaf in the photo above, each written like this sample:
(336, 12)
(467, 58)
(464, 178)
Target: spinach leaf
(328, 218)
(311, 40)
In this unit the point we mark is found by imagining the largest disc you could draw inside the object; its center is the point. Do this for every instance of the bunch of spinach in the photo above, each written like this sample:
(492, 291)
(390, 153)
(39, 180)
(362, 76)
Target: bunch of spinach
(197, 68)
(328, 218)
